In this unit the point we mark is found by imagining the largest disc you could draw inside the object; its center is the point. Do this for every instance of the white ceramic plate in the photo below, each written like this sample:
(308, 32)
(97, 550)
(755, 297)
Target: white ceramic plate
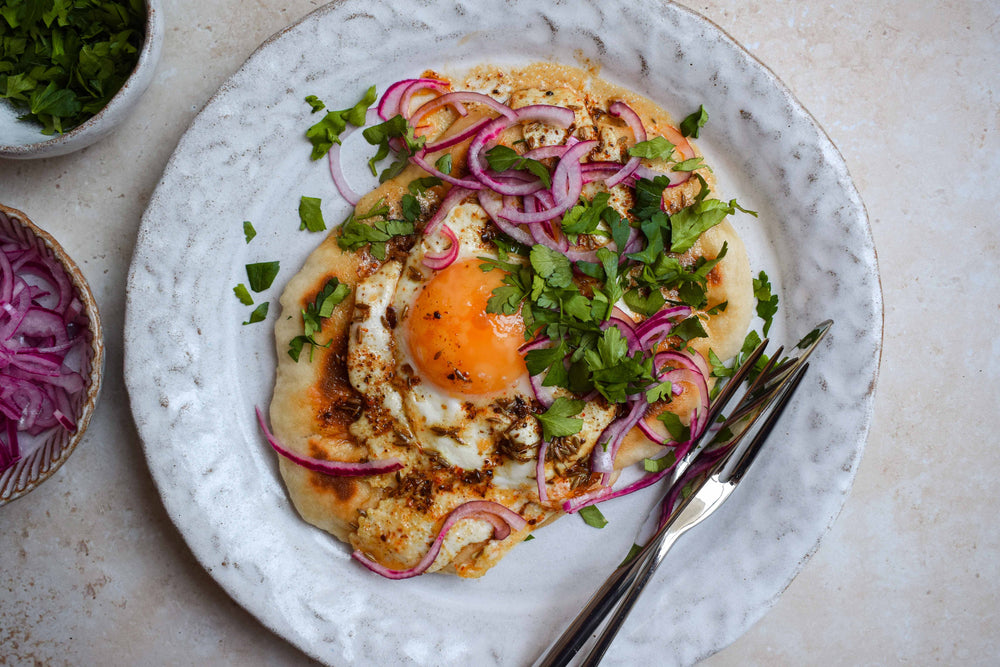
(194, 373)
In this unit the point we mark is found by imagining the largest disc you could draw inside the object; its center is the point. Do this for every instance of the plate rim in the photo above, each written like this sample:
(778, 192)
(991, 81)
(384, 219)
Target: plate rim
(829, 148)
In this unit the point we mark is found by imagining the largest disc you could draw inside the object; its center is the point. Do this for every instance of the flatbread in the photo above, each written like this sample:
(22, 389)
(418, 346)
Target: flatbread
(317, 411)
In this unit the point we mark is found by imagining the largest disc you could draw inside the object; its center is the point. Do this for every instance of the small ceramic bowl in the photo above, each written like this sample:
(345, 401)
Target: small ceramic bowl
(49, 450)
(23, 140)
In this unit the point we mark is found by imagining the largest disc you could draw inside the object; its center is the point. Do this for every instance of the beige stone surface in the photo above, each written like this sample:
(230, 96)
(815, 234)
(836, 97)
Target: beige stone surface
(93, 572)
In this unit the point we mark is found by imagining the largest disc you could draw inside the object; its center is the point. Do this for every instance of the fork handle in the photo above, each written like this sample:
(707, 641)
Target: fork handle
(621, 612)
(623, 580)
(687, 518)
(591, 616)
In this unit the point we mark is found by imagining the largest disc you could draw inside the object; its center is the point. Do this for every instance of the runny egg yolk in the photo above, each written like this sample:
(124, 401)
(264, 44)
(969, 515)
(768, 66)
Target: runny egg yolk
(455, 343)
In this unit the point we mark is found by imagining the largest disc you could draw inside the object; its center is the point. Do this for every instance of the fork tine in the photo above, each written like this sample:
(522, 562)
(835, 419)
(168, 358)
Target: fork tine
(785, 393)
(735, 381)
(728, 391)
(757, 393)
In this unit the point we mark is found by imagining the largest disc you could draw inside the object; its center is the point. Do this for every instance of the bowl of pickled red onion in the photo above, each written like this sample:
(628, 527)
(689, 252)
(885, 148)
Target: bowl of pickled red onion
(51, 355)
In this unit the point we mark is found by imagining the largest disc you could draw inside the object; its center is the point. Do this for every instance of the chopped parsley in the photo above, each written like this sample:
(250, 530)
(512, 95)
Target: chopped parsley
(259, 314)
(677, 430)
(322, 307)
(248, 231)
(328, 298)
(380, 135)
(501, 158)
(355, 234)
(691, 126)
(767, 303)
(560, 419)
(690, 165)
(243, 294)
(61, 62)
(443, 164)
(314, 102)
(662, 463)
(419, 186)
(593, 517)
(657, 148)
(260, 275)
(310, 214)
(324, 134)
(689, 223)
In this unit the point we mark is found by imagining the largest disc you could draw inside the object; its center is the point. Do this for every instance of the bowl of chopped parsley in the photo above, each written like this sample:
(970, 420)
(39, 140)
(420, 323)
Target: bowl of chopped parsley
(72, 70)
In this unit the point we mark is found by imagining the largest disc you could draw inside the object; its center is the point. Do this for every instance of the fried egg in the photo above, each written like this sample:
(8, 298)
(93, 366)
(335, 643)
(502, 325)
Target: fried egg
(450, 375)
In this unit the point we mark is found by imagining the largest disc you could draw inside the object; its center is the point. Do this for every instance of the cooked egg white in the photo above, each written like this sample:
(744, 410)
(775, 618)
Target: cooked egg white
(449, 375)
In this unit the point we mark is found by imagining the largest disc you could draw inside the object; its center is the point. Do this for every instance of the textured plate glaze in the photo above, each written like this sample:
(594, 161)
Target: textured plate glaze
(194, 373)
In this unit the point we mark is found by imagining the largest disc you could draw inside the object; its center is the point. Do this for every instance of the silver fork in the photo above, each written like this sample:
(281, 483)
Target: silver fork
(768, 394)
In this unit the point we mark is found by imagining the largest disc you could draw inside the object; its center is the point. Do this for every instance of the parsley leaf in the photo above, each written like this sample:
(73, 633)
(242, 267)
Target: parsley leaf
(310, 214)
(315, 103)
(660, 464)
(379, 135)
(296, 344)
(689, 223)
(259, 314)
(560, 419)
(691, 126)
(593, 517)
(327, 299)
(411, 207)
(689, 329)
(502, 158)
(260, 275)
(419, 186)
(443, 164)
(657, 148)
(677, 430)
(767, 303)
(690, 164)
(355, 234)
(553, 266)
(585, 217)
(648, 196)
(324, 134)
(243, 294)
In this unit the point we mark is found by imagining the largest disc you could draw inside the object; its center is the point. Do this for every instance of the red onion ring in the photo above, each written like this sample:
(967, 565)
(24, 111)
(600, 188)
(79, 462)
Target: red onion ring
(42, 335)
(334, 468)
(419, 160)
(551, 115)
(543, 495)
(336, 167)
(444, 259)
(567, 184)
(454, 197)
(484, 510)
(461, 97)
(492, 203)
(458, 138)
(424, 84)
(631, 118)
(602, 458)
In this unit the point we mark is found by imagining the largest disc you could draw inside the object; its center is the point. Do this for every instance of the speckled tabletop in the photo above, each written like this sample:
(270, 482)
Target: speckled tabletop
(92, 571)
